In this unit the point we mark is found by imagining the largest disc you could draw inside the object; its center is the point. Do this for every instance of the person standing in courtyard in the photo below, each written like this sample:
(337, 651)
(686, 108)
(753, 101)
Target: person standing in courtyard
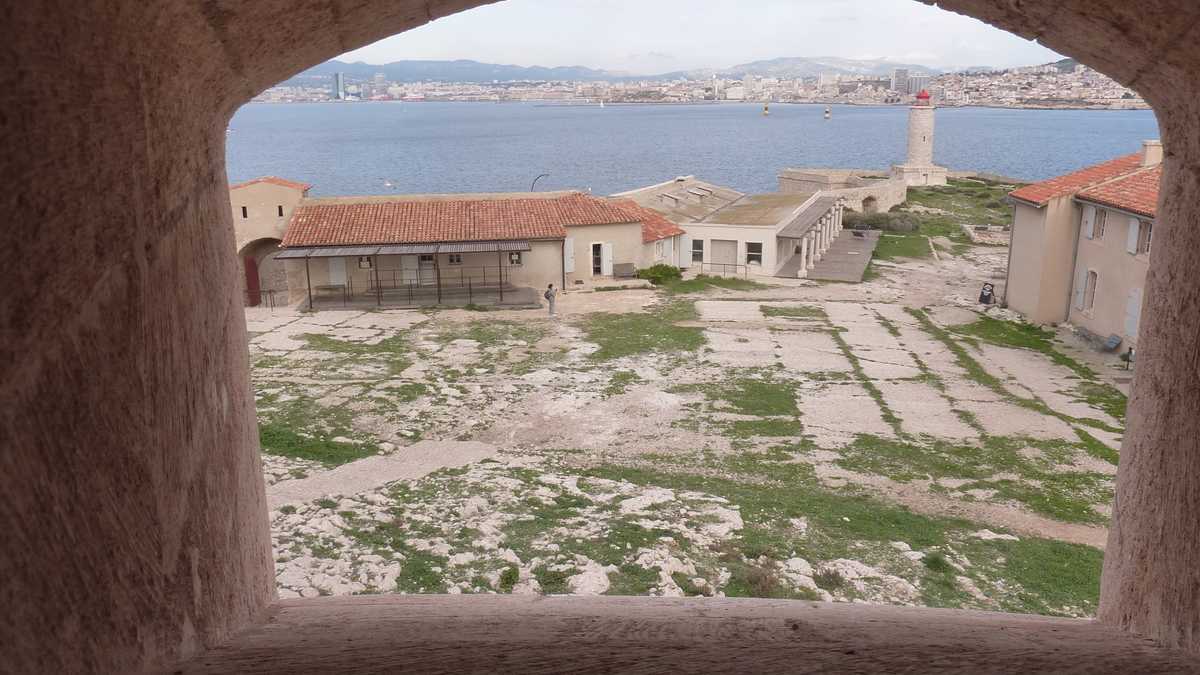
(551, 296)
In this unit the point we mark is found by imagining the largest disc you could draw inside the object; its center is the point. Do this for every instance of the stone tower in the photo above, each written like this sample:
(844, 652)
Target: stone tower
(918, 168)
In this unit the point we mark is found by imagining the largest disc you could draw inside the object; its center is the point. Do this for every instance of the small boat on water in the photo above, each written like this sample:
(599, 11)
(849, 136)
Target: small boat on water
(766, 109)
(828, 112)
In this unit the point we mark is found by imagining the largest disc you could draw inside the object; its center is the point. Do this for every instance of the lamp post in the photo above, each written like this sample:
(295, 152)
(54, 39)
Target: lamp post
(535, 180)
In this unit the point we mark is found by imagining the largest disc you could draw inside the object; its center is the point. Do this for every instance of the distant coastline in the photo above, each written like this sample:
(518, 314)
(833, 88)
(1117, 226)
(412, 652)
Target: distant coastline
(540, 103)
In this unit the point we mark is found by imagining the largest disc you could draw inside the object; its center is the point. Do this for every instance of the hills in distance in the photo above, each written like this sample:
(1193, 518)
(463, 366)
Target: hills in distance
(463, 70)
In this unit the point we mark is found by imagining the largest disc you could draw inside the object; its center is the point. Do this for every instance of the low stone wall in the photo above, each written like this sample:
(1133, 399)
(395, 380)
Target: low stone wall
(862, 194)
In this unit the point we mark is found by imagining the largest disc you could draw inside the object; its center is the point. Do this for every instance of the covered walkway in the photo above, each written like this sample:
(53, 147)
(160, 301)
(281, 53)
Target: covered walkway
(846, 260)
(408, 275)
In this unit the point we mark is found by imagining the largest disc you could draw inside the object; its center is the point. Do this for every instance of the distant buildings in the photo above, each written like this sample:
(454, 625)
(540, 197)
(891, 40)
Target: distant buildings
(1081, 245)
(1047, 86)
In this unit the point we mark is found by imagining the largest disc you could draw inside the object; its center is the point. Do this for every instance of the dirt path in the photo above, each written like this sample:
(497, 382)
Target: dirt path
(407, 463)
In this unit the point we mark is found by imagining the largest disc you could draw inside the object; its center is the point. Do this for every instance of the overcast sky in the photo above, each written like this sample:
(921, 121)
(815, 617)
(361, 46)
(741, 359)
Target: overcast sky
(652, 36)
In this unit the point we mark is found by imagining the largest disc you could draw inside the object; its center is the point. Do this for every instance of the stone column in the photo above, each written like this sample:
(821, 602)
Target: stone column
(811, 246)
(1151, 579)
(803, 271)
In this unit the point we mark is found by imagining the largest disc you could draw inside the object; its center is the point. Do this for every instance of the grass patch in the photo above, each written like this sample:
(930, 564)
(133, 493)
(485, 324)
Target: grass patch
(1096, 448)
(893, 245)
(553, 582)
(620, 381)
(769, 428)
(1063, 495)
(392, 352)
(800, 312)
(704, 282)
(621, 335)
(300, 428)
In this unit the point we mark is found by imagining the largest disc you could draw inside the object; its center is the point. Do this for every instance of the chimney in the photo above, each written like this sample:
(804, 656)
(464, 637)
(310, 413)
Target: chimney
(1152, 153)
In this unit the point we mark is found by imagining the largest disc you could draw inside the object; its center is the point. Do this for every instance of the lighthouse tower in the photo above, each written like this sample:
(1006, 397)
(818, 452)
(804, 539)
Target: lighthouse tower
(918, 168)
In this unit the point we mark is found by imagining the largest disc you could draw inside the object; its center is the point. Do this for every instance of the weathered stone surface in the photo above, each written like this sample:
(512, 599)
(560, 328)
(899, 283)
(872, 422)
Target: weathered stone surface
(134, 512)
(521, 634)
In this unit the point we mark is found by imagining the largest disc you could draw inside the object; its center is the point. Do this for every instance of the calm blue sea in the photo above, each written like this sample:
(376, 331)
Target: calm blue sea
(381, 148)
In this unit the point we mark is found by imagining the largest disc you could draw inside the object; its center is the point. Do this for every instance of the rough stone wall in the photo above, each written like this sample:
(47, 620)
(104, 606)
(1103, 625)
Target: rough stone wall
(887, 193)
(133, 513)
(134, 519)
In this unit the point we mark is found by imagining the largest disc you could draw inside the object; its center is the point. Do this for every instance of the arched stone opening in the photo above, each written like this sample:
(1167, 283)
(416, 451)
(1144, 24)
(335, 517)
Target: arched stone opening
(263, 278)
(134, 498)
(870, 205)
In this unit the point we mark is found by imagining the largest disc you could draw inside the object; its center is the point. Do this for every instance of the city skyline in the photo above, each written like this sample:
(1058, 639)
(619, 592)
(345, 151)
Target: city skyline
(673, 35)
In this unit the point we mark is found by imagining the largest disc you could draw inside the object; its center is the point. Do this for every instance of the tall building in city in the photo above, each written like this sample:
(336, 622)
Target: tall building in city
(918, 83)
(900, 80)
(339, 86)
(918, 168)
(379, 85)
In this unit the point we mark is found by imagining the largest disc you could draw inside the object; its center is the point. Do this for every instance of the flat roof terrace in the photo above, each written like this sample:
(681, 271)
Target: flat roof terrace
(763, 209)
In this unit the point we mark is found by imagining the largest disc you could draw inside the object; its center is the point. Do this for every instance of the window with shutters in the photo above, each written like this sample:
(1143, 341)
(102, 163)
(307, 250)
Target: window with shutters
(1089, 291)
(1101, 220)
(1145, 234)
(698, 250)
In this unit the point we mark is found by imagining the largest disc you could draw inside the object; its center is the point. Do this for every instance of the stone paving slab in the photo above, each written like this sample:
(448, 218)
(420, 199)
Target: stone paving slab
(406, 463)
(847, 259)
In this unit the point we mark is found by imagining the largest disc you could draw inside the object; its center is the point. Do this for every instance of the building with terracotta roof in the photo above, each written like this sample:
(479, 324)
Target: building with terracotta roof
(468, 248)
(262, 208)
(1080, 246)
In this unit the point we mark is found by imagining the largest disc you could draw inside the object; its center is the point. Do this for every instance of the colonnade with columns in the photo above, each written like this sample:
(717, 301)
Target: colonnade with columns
(816, 242)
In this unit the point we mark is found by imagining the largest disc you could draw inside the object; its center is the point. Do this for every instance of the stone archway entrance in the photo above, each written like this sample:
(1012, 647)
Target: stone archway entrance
(870, 205)
(264, 279)
(152, 545)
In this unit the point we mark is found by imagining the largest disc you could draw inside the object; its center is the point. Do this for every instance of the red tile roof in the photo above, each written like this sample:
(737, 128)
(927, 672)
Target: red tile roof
(407, 221)
(654, 225)
(274, 180)
(1041, 193)
(1136, 193)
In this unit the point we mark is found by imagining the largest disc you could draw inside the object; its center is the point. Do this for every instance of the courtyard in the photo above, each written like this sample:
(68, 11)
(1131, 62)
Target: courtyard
(883, 442)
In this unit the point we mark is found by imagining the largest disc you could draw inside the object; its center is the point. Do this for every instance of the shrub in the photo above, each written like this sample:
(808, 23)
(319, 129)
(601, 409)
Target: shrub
(660, 274)
(891, 221)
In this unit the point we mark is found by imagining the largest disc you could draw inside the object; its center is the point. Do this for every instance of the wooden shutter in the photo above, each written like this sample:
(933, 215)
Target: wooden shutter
(1089, 221)
(1133, 312)
(1080, 287)
(569, 255)
(1132, 235)
(685, 251)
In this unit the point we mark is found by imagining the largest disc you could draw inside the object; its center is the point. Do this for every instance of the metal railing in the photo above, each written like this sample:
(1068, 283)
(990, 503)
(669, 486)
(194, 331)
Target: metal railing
(418, 286)
(725, 269)
(260, 298)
